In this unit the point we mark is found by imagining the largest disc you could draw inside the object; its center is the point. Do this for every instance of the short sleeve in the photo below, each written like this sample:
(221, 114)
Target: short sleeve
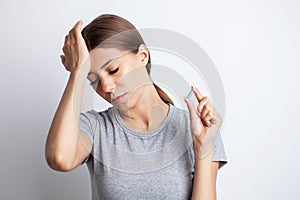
(88, 124)
(219, 152)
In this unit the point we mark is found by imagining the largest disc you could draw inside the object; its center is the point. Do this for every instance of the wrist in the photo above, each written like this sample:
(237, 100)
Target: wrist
(200, 155)
(197, 148)
(80, 71)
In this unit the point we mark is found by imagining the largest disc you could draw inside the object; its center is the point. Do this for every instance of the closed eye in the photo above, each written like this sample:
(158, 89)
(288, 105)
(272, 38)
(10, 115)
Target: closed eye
(114, 71)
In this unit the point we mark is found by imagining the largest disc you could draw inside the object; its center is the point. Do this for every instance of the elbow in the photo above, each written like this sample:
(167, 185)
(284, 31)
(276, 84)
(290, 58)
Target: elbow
(59, 163)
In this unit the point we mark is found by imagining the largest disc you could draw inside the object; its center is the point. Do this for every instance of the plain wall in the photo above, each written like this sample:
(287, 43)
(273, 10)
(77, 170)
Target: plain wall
(254, 44)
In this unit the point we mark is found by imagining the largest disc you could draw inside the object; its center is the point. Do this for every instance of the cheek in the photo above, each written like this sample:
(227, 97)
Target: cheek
(134, 79)
(127, 67)
(124, 69)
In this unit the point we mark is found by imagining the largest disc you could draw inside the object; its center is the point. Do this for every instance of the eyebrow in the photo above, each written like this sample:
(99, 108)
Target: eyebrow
(106, 63)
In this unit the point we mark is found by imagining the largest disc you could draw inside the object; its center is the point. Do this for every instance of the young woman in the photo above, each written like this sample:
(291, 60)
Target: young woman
(139, 148)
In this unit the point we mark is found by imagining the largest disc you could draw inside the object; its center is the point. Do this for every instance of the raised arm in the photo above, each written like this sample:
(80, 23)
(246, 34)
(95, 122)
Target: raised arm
(66, 147)
(205, 123)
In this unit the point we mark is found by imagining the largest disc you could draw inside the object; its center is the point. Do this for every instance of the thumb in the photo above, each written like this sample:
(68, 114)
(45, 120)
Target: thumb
(63, 60)
(191, 108)
(195, 123)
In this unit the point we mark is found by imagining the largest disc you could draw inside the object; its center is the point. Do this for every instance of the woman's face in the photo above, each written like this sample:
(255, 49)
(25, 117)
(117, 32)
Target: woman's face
(116, 74)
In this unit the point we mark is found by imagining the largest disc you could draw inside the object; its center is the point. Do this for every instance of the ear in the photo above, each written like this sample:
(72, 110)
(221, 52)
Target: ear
(143, 54)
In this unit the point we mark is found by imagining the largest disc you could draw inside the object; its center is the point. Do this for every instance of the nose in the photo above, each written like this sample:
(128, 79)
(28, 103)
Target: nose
(107, 84)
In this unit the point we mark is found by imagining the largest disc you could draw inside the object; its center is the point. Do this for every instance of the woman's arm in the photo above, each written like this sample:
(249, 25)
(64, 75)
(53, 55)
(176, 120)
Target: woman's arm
(205, 176)
(66, 147)
(205, 124)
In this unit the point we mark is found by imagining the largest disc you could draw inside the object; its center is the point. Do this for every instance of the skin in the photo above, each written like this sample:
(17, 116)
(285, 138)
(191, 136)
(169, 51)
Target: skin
(205, 121)
(141, 108)
(126, 74)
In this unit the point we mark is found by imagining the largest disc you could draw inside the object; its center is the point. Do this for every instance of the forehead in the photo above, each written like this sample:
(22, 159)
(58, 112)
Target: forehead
(100, 56)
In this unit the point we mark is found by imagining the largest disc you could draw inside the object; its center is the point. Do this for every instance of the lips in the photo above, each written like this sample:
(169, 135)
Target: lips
(119, 98)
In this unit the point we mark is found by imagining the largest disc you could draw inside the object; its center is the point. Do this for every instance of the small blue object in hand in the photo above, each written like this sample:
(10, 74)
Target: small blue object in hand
(189, 94)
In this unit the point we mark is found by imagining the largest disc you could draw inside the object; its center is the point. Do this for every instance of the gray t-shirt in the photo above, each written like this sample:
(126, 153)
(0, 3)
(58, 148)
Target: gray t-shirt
(126, 164)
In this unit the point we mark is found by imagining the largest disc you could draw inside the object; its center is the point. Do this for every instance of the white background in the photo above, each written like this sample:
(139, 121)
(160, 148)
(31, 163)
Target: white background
(254, 44)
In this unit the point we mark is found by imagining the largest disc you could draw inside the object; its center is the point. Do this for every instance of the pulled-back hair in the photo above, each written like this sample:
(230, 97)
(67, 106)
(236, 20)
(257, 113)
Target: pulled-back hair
(112, 31)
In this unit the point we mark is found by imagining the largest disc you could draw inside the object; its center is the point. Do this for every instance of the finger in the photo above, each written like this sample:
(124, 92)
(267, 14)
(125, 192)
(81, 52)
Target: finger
(66, 37)
(67, 40)
(198, 94)
(195, 122)
(63, 60)
(207, 119)
(201, 104)
(64, 49)
(77, 25)
(77, 28)
(191, 108)
(62, 57)
(204, 112)
(71, 37)
(72, 32)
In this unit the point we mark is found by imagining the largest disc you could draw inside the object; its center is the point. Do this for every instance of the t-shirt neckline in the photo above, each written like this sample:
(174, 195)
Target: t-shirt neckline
(128, 130)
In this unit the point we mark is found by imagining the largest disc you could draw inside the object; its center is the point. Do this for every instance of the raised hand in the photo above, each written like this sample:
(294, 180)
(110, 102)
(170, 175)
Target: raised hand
(75, 49)
(205, 123)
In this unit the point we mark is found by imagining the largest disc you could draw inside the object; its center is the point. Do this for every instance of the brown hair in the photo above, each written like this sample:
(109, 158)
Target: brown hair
(105, 32)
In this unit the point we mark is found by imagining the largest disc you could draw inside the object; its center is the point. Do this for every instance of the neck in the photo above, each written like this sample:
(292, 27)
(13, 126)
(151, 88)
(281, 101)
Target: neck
(147, 111)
